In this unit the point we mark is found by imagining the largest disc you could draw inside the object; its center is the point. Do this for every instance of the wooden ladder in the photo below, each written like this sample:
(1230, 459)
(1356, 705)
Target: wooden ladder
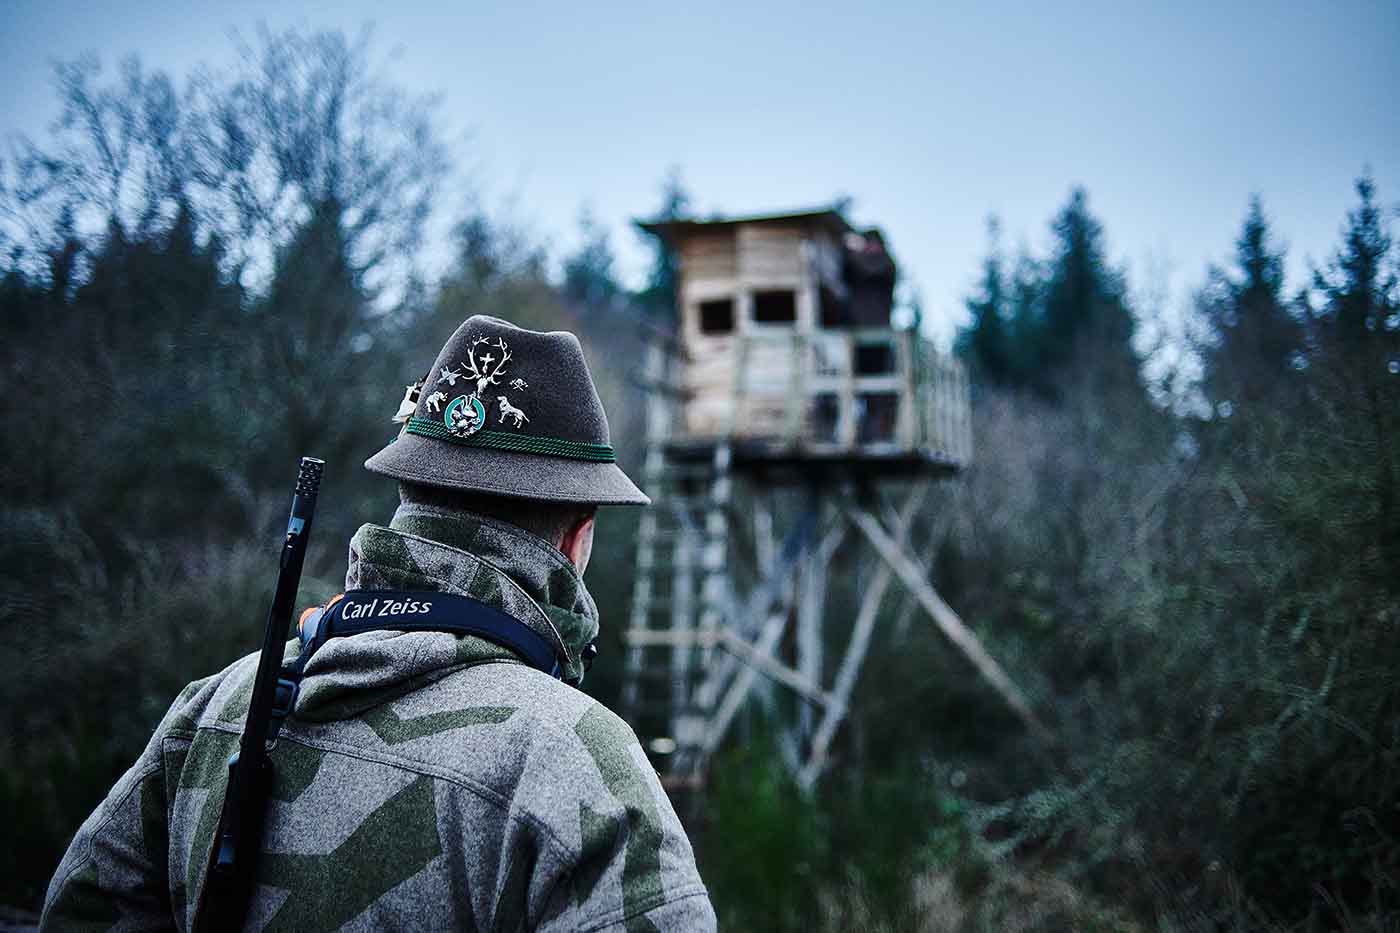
(680, 600)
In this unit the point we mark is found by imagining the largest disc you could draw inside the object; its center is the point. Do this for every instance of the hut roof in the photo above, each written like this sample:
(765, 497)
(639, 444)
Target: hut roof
(817, 217)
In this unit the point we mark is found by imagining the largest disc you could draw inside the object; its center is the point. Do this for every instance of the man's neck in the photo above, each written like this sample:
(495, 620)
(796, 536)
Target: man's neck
(539, 568)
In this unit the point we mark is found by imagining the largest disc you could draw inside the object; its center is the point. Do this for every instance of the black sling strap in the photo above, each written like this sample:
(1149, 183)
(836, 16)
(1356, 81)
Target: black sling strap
(411, 611)
(361, 611)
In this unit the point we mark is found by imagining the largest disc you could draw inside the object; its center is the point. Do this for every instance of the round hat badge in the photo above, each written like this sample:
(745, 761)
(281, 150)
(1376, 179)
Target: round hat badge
(464, 415)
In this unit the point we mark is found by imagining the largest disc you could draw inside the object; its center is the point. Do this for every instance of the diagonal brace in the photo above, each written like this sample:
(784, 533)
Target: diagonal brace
(861, 632)
(943, 616)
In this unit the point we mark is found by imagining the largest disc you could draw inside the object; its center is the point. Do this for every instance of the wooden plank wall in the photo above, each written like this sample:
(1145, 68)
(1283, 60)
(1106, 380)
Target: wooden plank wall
(760, 381)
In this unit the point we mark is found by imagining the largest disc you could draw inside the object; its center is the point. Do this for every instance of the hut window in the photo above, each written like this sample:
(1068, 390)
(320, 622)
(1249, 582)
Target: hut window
(874, 359)
(876, 414)
(717, 317)
(775, 307)
(826, 417)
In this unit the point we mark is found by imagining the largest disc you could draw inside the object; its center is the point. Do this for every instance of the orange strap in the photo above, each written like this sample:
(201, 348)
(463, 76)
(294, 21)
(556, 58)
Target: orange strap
(307, 612)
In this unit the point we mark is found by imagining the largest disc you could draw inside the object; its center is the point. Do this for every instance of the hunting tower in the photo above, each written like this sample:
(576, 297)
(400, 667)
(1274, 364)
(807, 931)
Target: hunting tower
(781, 410)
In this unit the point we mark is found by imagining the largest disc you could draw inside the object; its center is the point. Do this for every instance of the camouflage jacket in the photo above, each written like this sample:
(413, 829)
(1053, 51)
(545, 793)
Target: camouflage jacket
(425, 781)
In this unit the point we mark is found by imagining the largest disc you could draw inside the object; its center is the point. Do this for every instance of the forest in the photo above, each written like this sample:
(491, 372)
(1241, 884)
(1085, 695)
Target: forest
(1181, 542)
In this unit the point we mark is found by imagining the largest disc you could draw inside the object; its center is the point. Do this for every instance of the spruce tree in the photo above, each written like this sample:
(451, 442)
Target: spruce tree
(1085, 321)
(589, 282)
(1027, 290)
(1356, 353)
(658, 297)
(1359, 287)
(985, 344)
(1255, 340)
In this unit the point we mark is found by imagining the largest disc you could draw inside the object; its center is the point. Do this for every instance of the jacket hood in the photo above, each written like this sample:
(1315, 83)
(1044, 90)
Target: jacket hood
(433, 549)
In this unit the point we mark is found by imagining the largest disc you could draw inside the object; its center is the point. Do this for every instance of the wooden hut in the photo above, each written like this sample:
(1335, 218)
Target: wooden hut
(789, 349)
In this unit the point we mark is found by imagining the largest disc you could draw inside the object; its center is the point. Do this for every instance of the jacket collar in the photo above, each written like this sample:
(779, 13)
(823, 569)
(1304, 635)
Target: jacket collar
(432, 549)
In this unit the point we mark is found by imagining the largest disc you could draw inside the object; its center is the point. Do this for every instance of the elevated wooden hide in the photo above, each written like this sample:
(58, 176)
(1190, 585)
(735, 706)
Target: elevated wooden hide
(785, 323)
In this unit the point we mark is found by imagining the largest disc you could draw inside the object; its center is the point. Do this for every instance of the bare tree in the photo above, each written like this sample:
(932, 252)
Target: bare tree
(304, 121)
(301, 121)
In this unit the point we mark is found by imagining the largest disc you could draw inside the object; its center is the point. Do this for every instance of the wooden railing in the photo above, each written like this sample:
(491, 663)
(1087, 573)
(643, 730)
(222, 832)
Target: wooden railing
(862, 391)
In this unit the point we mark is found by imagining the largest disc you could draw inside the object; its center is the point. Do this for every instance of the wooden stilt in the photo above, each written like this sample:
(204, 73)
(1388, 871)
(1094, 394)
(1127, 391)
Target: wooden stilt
(811, 590)
(861, 632)
(771, 630)
(943, 616)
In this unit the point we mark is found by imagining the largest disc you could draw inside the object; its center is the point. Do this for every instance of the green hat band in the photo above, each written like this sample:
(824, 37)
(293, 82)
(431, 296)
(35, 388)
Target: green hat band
(521, 443)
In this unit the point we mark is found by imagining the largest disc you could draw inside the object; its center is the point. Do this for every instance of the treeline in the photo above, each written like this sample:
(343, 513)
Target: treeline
(1200, 574)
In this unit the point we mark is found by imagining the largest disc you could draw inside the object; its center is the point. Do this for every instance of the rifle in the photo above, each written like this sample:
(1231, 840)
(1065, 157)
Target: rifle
(228, 883)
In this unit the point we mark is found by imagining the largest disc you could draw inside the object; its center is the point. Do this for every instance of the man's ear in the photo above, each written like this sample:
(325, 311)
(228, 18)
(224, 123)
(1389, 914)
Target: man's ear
(577, 544)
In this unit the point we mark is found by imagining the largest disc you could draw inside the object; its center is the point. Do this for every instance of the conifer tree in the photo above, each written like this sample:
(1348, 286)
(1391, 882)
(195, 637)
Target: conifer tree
(1356, 351)
(1255, 340)
(1359, 287)
(1026, 292)
(589, 282)
(985, 344)
(1085, 321)
(658, 297)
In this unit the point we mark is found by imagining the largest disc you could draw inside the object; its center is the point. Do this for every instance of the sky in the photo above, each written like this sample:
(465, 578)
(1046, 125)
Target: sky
(930, 116)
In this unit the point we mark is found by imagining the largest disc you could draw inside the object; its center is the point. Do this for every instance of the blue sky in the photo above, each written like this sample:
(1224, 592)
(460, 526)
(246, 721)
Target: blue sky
(931, 116)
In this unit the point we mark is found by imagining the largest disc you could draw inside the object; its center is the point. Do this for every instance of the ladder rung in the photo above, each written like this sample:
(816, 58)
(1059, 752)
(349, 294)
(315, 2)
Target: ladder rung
(670, 533)
(667, 710)
(655, 674)
(645, 637)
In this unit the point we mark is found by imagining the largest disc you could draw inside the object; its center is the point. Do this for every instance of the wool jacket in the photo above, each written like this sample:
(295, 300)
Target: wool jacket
(425, 781)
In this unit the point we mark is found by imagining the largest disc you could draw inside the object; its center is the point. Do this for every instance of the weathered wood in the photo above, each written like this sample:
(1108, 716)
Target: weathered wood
(663, 638)
(798, 680)
(738, 691)
(714, 590)
(660, 412)
(794, 405)
(944, 617)
(770, 598)
(769, 633)
(765, 547)
(685, 725)
(770, 253)
(810, 610)
(848, 423)
(907, 431)
(861, 633)
(709, 256)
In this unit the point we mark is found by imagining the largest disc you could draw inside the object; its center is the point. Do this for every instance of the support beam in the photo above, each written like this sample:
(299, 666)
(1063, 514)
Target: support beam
(654, 637)
(686, 726)
(765, 542)
(780, 672)
(944, 617)
(760, 604)
(864, 627)
(714, 589)
(811, 605)
(740, 649)
(768, 639)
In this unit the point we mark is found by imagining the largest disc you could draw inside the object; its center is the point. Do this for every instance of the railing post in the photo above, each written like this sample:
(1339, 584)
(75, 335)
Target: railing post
(794, 406)
(848, 396)
(908, 404)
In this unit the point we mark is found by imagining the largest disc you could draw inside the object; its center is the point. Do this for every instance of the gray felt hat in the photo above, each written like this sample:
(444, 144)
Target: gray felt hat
(509, 412)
